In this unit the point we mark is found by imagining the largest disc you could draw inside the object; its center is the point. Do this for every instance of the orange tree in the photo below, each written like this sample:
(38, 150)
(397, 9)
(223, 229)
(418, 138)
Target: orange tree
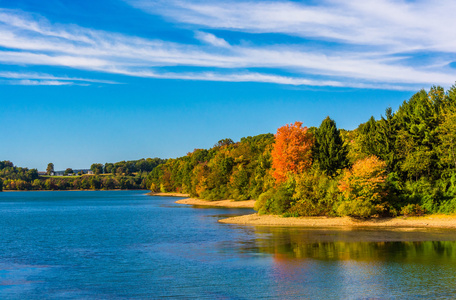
(292, 151)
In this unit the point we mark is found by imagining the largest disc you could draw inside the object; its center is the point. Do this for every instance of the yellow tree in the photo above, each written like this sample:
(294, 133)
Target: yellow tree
(363, 188)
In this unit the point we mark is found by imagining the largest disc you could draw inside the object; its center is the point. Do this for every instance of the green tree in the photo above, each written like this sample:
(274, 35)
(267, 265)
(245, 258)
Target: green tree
(50, 168)
(97, 169)
(224, 142)
(447, 135)
(108, 167)
(68, 171)
(1, 185)
(32, 175)
(367, 137)
(329, 150)
(386, 135)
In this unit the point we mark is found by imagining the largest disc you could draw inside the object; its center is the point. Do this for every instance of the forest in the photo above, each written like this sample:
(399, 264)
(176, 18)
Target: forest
(403, 163)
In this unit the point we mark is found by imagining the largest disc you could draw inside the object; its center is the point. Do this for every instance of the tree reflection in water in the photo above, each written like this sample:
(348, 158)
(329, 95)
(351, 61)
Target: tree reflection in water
(359, 263)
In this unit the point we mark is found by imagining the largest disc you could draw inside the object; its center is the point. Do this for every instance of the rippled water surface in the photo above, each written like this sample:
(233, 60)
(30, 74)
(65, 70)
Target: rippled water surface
(123, 245)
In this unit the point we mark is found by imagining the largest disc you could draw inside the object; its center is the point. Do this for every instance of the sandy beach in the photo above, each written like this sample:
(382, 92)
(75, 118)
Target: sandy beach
(431, 221)
(221, 203)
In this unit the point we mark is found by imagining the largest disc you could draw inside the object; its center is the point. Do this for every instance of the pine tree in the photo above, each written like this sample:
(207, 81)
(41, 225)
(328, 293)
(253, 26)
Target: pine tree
(329, 150)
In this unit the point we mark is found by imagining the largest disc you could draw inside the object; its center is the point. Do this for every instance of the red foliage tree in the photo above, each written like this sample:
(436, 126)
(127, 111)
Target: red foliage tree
(292, 151)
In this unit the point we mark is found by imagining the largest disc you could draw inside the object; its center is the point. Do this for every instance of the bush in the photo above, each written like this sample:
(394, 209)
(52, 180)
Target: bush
(413, 210)
(278, 200)
(260, 203)
(315, 194)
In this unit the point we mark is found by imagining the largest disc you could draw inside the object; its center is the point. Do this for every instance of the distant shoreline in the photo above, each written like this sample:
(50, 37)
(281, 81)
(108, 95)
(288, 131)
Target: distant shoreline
(88, 190)
(430, 221)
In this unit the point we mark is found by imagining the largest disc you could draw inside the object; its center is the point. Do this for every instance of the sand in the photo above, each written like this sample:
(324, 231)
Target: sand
(431, 221)
(220, 203)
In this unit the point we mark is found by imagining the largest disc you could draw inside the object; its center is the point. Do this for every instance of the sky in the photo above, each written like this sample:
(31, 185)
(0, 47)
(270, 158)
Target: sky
(85, 82)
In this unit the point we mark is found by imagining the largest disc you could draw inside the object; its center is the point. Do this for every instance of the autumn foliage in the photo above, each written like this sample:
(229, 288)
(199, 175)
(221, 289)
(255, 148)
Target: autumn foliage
(292, 151)
(364, 188)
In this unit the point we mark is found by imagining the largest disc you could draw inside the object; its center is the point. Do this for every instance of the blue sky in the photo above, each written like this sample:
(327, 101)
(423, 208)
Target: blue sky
(109, 80)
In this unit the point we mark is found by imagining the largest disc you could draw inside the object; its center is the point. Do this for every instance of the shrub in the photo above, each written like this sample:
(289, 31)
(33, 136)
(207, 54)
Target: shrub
(315, 194)
(413, 210)
(276, 201)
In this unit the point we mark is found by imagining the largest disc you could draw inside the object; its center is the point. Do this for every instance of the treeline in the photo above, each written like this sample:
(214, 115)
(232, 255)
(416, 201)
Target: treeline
(229, 170)
(402, 163)
(85, 182)
(119, 175)
(127, 167)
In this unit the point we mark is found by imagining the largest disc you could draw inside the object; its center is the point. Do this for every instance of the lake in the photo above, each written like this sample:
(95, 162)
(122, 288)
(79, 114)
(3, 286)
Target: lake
(124, 244)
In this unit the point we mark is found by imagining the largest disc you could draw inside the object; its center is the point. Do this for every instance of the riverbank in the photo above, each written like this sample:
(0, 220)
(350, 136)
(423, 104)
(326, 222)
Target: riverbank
(219, 203)
(431, 221)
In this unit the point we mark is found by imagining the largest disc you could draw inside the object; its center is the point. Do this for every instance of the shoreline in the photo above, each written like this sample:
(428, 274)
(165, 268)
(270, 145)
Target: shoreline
(218, 203)
(168, 194)
(430, 221)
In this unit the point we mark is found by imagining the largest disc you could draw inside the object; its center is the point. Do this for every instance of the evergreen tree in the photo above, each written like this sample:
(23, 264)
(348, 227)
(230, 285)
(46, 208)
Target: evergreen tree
(329, 150)
(368, 137)
(386, 139)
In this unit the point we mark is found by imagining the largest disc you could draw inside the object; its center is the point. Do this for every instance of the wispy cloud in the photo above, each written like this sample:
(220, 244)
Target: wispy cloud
(211, 39)
(376, 58)
(399, 25)
(28, 78)
(38, 82)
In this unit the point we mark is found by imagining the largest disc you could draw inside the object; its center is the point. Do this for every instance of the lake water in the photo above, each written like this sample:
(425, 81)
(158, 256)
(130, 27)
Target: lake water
(124, 244)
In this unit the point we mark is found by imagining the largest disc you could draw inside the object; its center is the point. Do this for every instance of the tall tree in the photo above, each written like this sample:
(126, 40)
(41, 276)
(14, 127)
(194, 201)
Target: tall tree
(50, 168)
(292, 151)
(367, 137)
(447, 136)
(386, 139)
(329, 150)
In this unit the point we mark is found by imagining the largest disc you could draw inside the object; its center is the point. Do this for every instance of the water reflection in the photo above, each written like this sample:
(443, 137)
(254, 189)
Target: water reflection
(359, 263)
(356, 244)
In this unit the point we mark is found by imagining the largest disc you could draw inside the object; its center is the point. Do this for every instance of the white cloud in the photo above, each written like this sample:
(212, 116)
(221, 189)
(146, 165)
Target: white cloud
(396, 25)
(211, 39)
(48, 78)
(31, 40)
(40, 82)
